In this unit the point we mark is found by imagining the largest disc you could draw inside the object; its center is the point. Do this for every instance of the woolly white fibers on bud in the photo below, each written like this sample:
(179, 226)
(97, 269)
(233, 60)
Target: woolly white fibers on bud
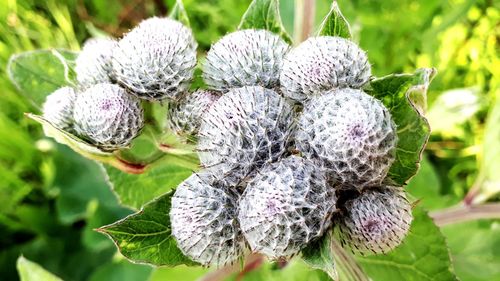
(108, 116)
(58, 108)
(93, 64)
(184, 115)
(376, 221)
(286, 206)
(204, 223)
(246, 128)
(351, 134)
(156, 60)
(245, 58)
(323, 63)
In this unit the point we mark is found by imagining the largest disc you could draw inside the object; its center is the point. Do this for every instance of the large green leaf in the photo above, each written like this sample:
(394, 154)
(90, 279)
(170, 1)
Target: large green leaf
(475, 248)
(36, 74)
(30, 271)
(334, 24)
(145, 236)
(134, 190)
(78, 182)
(320, 256)
(423, 255)
(426, 187)
(264, 14)
(405, 97)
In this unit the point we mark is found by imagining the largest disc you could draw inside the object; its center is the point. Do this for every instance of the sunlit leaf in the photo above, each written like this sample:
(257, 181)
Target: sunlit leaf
(30, 271)
(334, 24)
(423, 255)
(264, 14)
(179, 13)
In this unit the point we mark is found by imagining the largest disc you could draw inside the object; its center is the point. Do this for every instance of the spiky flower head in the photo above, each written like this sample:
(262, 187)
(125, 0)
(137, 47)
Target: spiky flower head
(376, 221)
(245, 58)
(351, 134)
(93, 64)
(184, 115)
(58, 108)
(108, 116)
(204, 221)
(156, 60)
(286, 206)
(246, 128)
(323, 63)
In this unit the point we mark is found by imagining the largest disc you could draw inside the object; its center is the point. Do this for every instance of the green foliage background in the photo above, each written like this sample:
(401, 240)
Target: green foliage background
(51, 199)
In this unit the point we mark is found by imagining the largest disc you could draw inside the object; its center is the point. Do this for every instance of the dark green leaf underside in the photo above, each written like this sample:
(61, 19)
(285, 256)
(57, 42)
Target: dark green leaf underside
(145, 236)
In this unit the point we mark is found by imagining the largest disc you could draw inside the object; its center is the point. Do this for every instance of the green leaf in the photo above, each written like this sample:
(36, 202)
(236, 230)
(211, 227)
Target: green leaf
(181, 272)
(134, 190)
(423, 255)
(319, 255)
(426, 187)
(328, 255)
(295, 270)
(475, 245)
(405, 96)
(489, 175)
(122, 270)
(264, 14)
(99, 214)
(79, 181)
(179, 13)
(145, 236)
(36, 74)
(30, 271)
(334, 24)
(84, 148)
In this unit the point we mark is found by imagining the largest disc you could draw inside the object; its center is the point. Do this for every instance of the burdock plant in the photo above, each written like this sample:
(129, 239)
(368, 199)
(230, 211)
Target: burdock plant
(285, 149)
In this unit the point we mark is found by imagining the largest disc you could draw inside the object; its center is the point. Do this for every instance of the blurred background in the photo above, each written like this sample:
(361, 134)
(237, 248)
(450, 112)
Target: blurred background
(51, 199)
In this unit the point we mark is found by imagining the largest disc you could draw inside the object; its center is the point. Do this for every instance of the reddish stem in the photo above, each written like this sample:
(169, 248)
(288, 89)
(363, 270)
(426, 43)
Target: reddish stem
(128, 167)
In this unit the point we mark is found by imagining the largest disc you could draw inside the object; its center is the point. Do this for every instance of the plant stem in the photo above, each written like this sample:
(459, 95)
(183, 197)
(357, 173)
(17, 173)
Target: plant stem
(347, 265)
(253, 261)
(304, 19)
(465, 213)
